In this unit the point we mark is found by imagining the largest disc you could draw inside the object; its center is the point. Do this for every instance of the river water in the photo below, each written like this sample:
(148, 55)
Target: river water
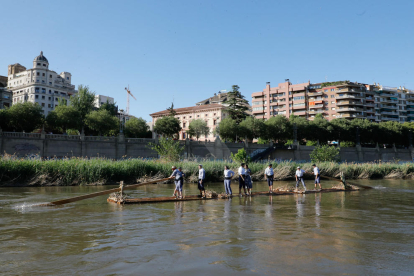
(355, 233)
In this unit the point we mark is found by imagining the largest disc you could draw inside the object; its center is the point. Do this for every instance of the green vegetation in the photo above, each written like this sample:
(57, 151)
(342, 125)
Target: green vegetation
(167, 126)
(347, 144)
(237, 105)
(167, 149)
(241, 156)
(325, 153)
(137, 128)
(83, 101)
(311, 143)
(197, 128)
(324, 84)
(64, 117)
(22, 117)
(77, 171)
(102, 122)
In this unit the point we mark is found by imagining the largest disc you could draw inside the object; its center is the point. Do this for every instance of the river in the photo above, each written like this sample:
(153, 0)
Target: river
(354, 233)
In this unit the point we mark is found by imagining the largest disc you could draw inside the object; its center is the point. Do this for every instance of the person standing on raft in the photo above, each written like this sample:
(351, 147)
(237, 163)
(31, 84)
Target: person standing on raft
(181, 180)
(317, 176)
(228, 174)
(249, 183)
(201, 179)
(269, 174)
(299, 177)
(242, 175)
(178, 178)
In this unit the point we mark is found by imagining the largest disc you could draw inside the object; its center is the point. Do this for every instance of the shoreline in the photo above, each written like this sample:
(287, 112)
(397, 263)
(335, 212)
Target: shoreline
(97, 172)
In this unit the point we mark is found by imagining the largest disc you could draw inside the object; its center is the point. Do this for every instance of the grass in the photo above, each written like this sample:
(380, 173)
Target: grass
(79, 171)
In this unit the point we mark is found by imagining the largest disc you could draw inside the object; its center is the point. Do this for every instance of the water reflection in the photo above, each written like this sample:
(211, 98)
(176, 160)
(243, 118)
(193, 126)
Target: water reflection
(318, 198)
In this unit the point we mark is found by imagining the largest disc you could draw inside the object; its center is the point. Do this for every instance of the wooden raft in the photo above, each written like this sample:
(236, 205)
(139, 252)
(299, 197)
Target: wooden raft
(198, 197)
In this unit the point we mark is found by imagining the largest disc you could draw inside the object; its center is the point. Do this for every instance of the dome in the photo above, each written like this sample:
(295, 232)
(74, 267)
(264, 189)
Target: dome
(41, 57)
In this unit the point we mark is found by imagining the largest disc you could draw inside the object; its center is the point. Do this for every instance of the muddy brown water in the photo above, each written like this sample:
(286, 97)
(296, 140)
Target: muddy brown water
(354, 233)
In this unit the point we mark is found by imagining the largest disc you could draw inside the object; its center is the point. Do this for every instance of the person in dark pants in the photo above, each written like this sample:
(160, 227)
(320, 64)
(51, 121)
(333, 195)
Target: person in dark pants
(201, 179)
(242, 175)
(181, 181)
(177, 175)
(269, 174)
(248, 180)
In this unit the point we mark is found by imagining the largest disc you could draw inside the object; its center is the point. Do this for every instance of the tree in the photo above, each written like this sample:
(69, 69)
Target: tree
(167, 149)
(83, 101)
(325, 153)
(102, 122)
(320, 129)
(341, 130)
(252, 128)
(236, 104)
(168, 126)
(111, 107)
(136, 128)
(302, 126)
(25, 116)
(171, 111)
(241, 156)
(64, 117)
(227, 129)
(197, 128)
(278, 129)
(4, 119)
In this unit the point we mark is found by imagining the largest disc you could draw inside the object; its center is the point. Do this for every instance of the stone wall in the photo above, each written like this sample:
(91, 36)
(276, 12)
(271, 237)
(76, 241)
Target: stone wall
(53, 145)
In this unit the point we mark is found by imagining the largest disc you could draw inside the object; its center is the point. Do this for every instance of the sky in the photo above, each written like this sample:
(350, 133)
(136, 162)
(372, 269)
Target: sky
(185, 51)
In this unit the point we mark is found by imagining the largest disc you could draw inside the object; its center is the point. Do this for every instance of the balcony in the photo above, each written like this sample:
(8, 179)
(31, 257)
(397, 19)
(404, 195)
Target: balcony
(349, 103)
(349, 96)
(389, 113)
(388, 95)
(349, 116)
(349, 109)
(388, 101)
(388, 106)
(390, 119)
(302, 106)
(314, 94)
(316, 106)
(299, 113)
(370, 105)
(371, 117)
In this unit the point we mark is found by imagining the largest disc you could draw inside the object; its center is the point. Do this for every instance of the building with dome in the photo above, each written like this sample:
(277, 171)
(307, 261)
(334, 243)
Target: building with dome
(39, 84)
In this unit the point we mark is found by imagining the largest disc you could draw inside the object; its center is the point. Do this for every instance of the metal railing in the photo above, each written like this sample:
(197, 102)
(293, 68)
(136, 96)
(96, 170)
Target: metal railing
(21, 135)
(62, 137)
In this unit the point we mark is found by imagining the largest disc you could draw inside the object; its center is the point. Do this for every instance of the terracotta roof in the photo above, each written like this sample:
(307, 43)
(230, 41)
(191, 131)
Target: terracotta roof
(189, 109)
(215, 99)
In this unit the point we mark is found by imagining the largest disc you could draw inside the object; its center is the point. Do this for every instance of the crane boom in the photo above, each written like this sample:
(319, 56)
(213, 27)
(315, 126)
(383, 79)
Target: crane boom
(128, 93)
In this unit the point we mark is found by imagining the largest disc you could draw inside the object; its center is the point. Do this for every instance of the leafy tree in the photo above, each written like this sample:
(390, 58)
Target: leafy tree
(167, 149)
(227, 129)
(302, 126)
(319, 129)
(83, 101)
(341, 130)
(368, 131)
(325, 153)
(136, 128)
(25, 116)
(347, 144)
(262, 141)
(241, 156)
(252, 128)
(167, 126)
(171, 111)
(197, 128)
(111, 107)
(237, 105)
(390, 132)
(64, 117)
(311, 143)
(4, 119)
(278, 129)
(102, 122)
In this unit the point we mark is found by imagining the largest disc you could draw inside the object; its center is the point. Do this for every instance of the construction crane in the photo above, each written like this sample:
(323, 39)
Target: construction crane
(129, 93)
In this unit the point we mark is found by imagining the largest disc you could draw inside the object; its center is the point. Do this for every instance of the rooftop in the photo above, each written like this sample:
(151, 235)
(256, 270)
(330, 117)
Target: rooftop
(189, 109)
(217, 98)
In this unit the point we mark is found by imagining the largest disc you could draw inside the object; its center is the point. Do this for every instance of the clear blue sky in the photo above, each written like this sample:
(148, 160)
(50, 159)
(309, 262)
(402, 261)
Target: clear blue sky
(188, 50)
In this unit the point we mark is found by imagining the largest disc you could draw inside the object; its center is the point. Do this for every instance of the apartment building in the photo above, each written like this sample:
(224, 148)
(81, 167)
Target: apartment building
(341, 99)
(39, 84)
(101, 99)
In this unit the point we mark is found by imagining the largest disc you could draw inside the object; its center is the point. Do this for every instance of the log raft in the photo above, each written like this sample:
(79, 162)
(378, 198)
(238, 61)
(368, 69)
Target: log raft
(127, 200)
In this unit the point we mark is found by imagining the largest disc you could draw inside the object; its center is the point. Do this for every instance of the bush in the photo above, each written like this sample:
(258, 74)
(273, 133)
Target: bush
(325, 153)
(167, 149)
(347, 144)
(311, 143)
(289, 143)
(241, 156)
(262, 141)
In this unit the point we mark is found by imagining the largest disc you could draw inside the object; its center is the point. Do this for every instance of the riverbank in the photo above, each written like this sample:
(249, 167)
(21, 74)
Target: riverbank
(78, 171)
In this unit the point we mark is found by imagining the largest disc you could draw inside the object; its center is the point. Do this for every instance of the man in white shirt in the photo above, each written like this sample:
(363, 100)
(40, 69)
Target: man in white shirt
(269, 174)
(201, 179)
(242, 174)
(228, 174)
(299, 177)
(317, 176)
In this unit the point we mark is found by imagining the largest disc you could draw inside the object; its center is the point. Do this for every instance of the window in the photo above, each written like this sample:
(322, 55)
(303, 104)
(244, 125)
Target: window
(333, 108)
(332, 89)
(198, 116)
(37, 80)
(37, 89)
(43, 104)
(67, 78)
(50, 76)
(43, 97)
(38, 63)
(37, 96)
(214, 122)
(191, 117)
(183, 125)
(214, 114)
(325, 90)
(184, 117)
(56, 99)
(43, 90)
(50, 98)
(332, 96)
(43, 81)
(206, 115)
(38, 74)
(50, 83)
(48, 105)
(56, 92)
(43, 74)
(44, 64)
(299, 98)
(332, 102)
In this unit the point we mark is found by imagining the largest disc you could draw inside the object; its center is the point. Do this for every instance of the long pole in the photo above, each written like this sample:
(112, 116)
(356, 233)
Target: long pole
(78, 198)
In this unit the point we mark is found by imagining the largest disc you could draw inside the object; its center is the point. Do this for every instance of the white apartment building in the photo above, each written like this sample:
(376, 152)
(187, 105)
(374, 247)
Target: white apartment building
(101, 99)
(39, 84)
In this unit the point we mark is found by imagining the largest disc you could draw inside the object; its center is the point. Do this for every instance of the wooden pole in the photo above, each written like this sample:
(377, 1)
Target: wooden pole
(358, 185)
(123, 188)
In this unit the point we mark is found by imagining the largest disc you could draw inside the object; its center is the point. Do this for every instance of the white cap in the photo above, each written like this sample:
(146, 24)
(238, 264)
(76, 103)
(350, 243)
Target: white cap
(298, 168)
